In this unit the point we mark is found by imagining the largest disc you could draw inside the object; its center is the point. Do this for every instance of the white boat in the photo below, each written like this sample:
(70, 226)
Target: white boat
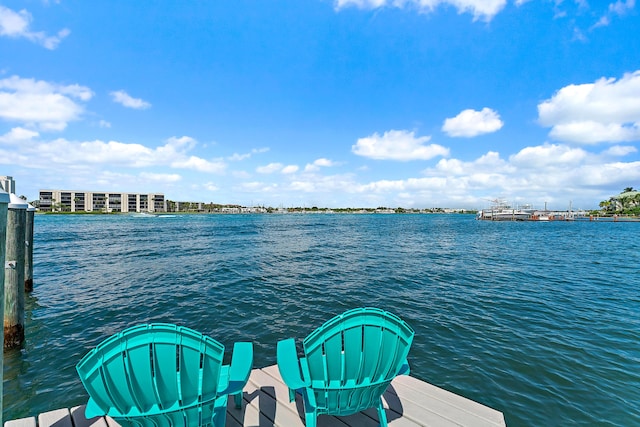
(144, 215)
(500, 210)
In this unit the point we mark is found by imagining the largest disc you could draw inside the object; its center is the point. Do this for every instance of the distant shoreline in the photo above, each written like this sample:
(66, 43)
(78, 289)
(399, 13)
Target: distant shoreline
(280, 211)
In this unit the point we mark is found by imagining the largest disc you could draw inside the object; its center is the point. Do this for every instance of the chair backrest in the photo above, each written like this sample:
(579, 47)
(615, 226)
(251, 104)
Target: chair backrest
(353, 357)
(149, 369)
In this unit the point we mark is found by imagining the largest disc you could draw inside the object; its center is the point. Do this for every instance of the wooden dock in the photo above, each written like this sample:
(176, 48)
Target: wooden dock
(409, 402)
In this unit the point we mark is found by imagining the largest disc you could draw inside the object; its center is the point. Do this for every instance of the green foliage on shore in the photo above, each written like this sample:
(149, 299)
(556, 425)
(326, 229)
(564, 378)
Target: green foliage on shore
(626, 203)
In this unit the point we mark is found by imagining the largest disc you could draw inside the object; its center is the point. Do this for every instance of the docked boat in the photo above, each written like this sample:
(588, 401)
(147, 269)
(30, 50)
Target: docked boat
(500, 210)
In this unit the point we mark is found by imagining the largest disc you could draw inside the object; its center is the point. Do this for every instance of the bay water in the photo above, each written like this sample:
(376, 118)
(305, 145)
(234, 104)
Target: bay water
(540, 321)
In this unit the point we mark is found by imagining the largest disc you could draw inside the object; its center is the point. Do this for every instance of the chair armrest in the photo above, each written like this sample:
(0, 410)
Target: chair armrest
(93, 410)
(241, 364)
(404, 369)
(289, 365)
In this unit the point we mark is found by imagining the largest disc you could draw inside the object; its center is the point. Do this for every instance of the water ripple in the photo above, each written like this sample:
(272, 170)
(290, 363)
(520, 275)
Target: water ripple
(539, 320)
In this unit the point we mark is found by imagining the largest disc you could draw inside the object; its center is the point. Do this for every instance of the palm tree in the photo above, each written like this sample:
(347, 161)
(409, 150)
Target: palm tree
(628, 190)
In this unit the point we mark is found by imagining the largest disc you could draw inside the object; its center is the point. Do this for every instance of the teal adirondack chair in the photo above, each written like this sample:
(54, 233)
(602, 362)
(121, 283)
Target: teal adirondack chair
(163, 375)
(348, 363)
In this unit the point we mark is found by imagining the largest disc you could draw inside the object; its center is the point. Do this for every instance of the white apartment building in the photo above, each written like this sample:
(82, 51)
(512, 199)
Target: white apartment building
(108, 202)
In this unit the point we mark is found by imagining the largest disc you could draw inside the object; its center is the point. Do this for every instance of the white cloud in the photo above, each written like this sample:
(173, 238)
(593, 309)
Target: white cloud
(11, 157)
(210, 186)
(290, 169)
(578, 35)
(239, 174)
(61, 154)
(238, 157)
(21, 85)
(616, 175)
(122, 97)
(591, 132)
(199, 164)
(174, 153)
(470, 123)
(319, 163)
(551, 172)
(17, 135)
(63, 151)
(620, 150)
(534, 174)
(104, 124)
(318, 184)
(179, 143)
(304, 186)
(257, 187)
(324, 162)
(554, 173)
(362, 4)
(36, 103)
(486, 10)
(619, 8)
(605, 111)
(602, 22)
(480, 9)
(16, 25)
(411, 184)
(270, 168)
(398, 145)
(13, 24)
(548, 155)
(160, 177)
(490, 161)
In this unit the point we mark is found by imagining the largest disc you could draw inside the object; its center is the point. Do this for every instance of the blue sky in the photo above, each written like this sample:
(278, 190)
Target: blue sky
(334, 103)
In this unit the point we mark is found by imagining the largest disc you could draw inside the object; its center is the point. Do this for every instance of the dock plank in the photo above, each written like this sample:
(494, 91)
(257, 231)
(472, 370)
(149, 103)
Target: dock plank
(409, 402)
(79, 420)
(278, 391)
(57, 418)
(21, 422)
(447, 405)
(270, 407)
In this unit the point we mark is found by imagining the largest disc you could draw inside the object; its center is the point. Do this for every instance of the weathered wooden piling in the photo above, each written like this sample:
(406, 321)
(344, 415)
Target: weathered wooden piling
(14, 273)
(28, 254)
(4, 204)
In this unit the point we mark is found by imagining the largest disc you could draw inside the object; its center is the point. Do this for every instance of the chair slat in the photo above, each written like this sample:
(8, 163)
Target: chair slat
(333, 357)
(92, 379)
(140, 376)
(190, 374)
(315, 360)
(212, 369)
(353, 352)
(372, 341)
(164, 368)
(113, 372)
